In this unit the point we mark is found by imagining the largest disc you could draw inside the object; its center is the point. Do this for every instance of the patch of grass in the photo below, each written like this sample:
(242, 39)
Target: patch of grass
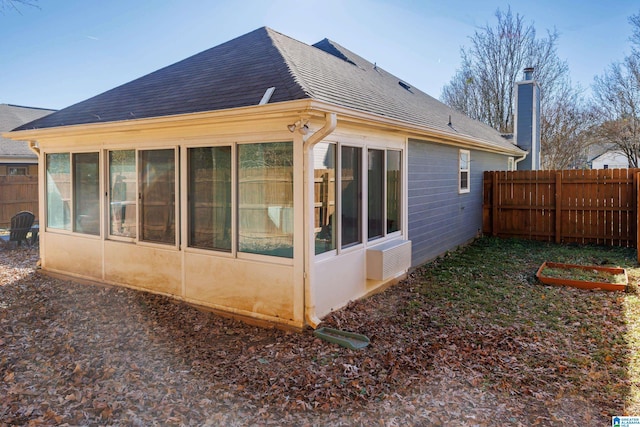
(589, 338)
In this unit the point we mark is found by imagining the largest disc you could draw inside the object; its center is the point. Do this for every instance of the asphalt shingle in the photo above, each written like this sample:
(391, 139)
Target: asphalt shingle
(10, 117)
(238, 72)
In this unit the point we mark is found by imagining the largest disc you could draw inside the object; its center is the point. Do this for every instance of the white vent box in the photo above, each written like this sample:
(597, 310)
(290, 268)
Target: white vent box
(388, 259)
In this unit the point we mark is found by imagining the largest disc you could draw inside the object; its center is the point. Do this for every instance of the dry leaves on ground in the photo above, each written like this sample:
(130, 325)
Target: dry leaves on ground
(73, 354)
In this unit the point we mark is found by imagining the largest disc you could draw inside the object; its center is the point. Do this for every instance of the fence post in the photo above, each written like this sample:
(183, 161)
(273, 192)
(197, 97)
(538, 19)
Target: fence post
(558, 230)
(494, 204)
(637, 193)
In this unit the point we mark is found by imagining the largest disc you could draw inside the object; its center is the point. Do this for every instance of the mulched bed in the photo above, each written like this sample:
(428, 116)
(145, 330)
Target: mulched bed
(73, 354)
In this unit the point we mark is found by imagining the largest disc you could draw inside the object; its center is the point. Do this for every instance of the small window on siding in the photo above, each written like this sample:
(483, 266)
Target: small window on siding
(464, 172)
(511, 164)
(15, 171)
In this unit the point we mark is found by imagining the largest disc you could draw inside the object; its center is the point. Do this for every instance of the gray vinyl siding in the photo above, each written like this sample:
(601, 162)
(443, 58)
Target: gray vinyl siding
(440, 219)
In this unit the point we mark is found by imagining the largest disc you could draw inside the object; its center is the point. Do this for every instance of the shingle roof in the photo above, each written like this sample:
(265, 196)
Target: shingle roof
(238, 72)
(10, 117)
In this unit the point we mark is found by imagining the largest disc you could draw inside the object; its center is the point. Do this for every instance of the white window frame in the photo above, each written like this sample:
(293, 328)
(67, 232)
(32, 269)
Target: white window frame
(511, 164)
(137, 237)
(72, 227)
(462, 170)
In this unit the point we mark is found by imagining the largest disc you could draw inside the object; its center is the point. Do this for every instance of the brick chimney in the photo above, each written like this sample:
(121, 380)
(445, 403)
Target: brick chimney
(527, 120)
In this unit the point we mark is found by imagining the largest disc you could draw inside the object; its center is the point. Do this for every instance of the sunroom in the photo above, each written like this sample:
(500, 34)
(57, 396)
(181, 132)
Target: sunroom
(272, 225)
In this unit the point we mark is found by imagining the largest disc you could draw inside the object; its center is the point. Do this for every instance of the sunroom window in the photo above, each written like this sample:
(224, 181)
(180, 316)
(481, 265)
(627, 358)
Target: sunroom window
(394, 194)
(86, 193)
(383, 192)
(351, 195)
(123, 193)
(210, 198)
(73, 192)
(324, 155)
(157, 196)
(265, 199)
(59, 191)
(375, 194)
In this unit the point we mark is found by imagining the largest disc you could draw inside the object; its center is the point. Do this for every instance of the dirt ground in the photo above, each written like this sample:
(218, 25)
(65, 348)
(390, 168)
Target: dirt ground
(73, 354)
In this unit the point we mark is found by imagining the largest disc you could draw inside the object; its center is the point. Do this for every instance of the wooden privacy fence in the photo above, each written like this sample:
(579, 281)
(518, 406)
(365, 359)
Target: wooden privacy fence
(17, 193)
(568, 206)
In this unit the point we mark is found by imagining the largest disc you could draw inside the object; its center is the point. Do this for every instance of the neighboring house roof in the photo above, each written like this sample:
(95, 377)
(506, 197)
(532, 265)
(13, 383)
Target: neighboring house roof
(237, 74)
(10, 117)
(598, 150)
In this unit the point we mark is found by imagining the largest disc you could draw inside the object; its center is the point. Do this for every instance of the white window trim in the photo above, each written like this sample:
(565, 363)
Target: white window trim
(72, 226)
(467, 170)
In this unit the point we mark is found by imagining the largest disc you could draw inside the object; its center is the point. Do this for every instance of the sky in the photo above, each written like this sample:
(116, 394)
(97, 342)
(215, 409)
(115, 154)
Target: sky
(65, 51)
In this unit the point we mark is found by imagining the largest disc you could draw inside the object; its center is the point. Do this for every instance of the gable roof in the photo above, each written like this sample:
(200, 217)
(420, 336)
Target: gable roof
(237, 74)
(10, 117)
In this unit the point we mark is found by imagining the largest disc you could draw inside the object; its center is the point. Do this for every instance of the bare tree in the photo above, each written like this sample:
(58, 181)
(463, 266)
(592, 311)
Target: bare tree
(15, 4)
(634, 20)
(484, 85)
(617, 102)
(564, 125)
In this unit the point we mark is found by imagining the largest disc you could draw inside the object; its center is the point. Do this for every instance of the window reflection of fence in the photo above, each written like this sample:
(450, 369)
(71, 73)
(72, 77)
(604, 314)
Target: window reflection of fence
(210, 196)
(17, 193)
(265, 209)
(59, 200)
(325, 198)
(394, 200)
(157, 209)
(124, 193)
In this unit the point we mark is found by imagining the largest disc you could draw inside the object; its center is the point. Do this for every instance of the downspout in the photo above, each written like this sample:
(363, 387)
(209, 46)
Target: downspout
(515, 162)
(33, 146)
(310, 141)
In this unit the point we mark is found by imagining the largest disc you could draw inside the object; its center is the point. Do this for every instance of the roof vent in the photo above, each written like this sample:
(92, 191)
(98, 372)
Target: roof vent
(267, 95)
(404, 85)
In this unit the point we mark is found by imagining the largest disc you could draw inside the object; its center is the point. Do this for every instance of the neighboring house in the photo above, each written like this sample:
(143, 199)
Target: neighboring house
(18, 164)
(15, 156)
(609, 158)
(264, 177)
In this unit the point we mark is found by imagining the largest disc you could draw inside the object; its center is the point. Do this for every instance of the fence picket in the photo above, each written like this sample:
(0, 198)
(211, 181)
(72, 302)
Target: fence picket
(581, 206)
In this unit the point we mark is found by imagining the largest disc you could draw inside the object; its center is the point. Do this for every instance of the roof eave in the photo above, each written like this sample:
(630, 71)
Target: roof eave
(414, 130)
(306, 107)
(275, 110)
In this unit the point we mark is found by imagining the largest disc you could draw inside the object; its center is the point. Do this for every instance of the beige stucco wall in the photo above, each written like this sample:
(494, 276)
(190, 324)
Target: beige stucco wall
(72, 253)
(240, 285)
(152, 268)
